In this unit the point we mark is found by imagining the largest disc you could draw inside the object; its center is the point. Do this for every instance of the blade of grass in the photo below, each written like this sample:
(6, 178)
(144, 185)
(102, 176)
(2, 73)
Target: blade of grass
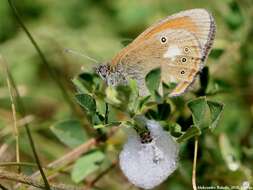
(15, 128)
(21, 107)
(50, 70)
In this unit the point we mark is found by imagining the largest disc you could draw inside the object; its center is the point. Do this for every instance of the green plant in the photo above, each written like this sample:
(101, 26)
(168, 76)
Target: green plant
(103, 104)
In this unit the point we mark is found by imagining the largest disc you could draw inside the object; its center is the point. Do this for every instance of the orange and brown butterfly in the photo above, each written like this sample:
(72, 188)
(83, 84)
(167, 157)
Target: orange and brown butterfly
(178, 44)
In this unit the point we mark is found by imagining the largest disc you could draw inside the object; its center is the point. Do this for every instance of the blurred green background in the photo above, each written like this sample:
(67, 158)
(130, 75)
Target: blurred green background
(99, 29)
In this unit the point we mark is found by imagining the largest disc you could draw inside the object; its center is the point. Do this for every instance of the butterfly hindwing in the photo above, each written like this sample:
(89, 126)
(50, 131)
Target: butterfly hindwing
(179, 44)
(179, 58)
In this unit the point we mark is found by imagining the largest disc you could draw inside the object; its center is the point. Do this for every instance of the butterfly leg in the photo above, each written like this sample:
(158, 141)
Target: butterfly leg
(180, 88)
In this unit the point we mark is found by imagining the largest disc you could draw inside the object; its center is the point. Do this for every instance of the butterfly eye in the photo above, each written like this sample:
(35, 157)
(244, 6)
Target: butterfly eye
(163, 40)
(183, 60)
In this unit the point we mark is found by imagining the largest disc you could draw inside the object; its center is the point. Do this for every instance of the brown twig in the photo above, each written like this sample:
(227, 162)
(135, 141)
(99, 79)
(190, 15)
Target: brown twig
(35, 183)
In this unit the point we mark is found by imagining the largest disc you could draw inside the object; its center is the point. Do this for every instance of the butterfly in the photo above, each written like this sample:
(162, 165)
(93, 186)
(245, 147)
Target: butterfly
(179, 45)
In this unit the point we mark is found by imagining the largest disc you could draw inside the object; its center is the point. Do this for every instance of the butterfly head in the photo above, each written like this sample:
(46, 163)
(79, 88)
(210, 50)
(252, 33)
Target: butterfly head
(103, 70)
(111, 75)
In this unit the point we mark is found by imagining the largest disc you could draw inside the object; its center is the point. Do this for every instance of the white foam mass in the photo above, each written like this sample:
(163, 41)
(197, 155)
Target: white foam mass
(148, 165)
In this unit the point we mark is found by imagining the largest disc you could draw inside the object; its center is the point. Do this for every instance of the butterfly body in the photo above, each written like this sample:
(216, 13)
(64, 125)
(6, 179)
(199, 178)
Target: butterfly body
(178, 44)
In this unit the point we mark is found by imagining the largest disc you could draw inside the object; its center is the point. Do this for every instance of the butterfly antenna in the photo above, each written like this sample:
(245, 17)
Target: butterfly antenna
(80, 54)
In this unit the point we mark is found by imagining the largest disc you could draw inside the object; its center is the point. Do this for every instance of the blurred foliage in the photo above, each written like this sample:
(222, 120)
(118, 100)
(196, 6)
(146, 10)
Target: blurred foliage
(98, 29)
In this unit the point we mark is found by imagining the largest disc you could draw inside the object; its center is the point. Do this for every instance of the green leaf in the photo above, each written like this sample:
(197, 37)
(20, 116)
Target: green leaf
(168, 87)
(158, 97)
(99, 126)
(123, 94)
(79, 86)
(216, 109)
(100, 106)
(112, 96)
(175, 129)
(164, 110)
(87, 80)
(69, 132)
(133, 99)
(97, 119)
(153, 79)
(198, 109)
(151, 114)
(189, 133)
(134, 87)
(87, 102)
(140, 124)
(86, 165)
(143, 101)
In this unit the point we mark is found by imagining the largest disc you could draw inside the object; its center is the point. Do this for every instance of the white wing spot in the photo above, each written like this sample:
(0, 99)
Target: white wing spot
(172, 52)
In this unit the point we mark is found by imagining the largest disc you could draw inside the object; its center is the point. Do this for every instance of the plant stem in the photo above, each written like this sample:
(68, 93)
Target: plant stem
(194, 184)
(21, 107)
(101, 175)
(106, 113)
(5, 175)
(15, 131)
(50, 70)
(74, 154)
(4, 164)
(70, 157)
